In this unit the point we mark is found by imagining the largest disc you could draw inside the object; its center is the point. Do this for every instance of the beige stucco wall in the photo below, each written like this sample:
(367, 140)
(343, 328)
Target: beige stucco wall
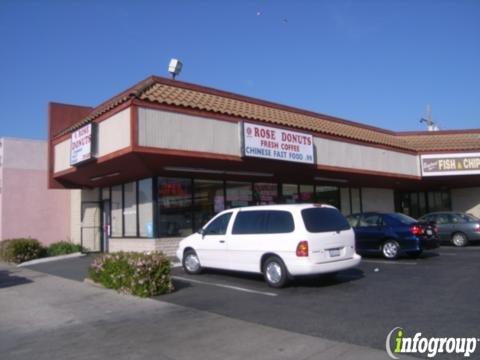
(166, 245)
(347, 155)
(184, 132)
(75, 215)
(374, 199)
(85, 221)
(466, 200)
(61, 156)
(167, 130)
(114, 133)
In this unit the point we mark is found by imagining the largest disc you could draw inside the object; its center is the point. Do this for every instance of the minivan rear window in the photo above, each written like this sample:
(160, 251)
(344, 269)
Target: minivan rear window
(324, 219)
(263, 222)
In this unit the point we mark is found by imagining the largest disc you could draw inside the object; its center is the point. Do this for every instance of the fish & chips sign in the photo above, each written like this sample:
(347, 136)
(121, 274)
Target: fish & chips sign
(450, 164)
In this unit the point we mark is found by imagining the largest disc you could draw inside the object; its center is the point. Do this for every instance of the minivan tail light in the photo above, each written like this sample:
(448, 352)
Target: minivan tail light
(302, 248)
(477, 228)
(416, 230)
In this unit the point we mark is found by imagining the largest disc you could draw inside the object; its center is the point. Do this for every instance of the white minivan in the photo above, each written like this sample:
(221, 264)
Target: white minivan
(279, 241)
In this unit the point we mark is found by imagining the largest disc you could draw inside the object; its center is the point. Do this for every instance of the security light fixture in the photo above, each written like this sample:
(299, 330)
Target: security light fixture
(175, 67)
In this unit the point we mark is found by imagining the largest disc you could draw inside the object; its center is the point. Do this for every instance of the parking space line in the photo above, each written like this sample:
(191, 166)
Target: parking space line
(389, 262)
(225, 286)
(462, 249)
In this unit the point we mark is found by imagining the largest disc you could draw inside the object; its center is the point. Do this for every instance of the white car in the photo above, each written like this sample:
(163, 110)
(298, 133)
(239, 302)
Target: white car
(280, 241)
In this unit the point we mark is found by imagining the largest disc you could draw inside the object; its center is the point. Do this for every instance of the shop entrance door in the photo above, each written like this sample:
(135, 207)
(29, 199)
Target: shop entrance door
(106, 224)
(90, 230)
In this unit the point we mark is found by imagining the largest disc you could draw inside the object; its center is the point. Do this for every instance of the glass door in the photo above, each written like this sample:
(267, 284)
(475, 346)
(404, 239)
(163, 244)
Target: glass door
(106, 224)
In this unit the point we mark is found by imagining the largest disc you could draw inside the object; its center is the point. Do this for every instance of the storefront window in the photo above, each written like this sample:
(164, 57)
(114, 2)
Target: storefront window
(328, 195)
(438, 201)
(208, 200)
(265, 193)
(306, 193)
(414, 210)
(130, 209)
(238, 194)
(117, 218)
(356, 199)
(105, 193)
(145, 208)
(416, 204)
(289, 193)
(174, 206)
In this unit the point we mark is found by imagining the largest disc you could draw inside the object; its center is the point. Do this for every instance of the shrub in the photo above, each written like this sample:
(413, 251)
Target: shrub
(133, 273)
(21, 250)
(62, 248)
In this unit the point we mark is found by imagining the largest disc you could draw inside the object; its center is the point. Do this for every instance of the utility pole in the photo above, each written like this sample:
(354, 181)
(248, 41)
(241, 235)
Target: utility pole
(431, 126)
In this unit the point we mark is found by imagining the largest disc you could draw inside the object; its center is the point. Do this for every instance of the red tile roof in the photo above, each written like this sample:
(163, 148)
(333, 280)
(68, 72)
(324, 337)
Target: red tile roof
(188, 96)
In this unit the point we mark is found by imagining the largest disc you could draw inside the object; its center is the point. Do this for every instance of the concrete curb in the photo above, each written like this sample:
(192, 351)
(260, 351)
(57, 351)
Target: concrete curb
(51, 258)
(90, 282)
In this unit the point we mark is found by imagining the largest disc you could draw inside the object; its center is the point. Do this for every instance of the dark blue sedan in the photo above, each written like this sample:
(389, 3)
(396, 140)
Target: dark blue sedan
(392, 234)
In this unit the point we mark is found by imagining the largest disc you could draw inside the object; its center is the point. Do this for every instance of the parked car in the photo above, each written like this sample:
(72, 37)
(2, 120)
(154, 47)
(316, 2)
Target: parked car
(280, 241)
(392, 234)
(455, 227)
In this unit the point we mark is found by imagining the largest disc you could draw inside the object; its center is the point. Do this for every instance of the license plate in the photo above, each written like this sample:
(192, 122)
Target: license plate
(429, 232)
(334, 252)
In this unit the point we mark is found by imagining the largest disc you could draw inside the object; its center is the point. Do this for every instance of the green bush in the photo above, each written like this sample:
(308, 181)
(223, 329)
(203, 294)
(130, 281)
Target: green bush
(133, 273)
(21, 250)
(62, 248)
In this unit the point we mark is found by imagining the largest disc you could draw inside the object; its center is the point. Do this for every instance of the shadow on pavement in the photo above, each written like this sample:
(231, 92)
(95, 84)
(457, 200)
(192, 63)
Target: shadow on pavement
(242, 278)
(8, 280)
(73, 269)
(326, 280)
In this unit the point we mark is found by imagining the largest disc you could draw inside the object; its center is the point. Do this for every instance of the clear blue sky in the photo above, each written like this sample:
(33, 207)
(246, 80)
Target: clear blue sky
(379, 62)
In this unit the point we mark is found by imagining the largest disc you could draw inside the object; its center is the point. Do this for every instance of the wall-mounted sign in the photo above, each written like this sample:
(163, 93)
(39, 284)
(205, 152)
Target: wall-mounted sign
(450, 164)
(277, 144)
(81, 145)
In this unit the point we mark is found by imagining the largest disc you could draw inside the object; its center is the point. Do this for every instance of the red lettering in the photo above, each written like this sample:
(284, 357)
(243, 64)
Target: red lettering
(264, 133)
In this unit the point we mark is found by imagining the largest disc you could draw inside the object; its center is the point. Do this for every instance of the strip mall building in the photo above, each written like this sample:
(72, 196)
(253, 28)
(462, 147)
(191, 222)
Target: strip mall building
(153, 163)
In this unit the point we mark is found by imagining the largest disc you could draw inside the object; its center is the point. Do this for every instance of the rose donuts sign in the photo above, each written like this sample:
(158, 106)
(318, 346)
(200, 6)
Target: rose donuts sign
(277, 144)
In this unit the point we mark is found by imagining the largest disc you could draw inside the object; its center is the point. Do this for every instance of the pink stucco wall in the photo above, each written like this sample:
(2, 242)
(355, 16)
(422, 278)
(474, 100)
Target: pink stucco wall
(28, 207)
(31, 210)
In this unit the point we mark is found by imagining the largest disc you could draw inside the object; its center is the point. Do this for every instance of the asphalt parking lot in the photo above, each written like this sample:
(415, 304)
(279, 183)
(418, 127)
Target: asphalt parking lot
(437, 295)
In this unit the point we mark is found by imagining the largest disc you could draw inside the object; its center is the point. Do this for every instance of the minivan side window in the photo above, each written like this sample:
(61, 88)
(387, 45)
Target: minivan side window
(249, 222)
(218, 226)
(324, 219)
(279, 222)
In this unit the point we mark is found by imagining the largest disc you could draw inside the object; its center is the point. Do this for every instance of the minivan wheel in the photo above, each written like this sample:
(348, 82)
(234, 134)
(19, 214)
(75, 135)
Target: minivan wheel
(459, 239)
(275, 272)
(191, 262)
(390, 249)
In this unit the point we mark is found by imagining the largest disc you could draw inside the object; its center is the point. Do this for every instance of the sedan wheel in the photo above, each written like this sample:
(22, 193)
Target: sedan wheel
(191, 263)
(390, 249)
(459, 239)
(275, 272)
